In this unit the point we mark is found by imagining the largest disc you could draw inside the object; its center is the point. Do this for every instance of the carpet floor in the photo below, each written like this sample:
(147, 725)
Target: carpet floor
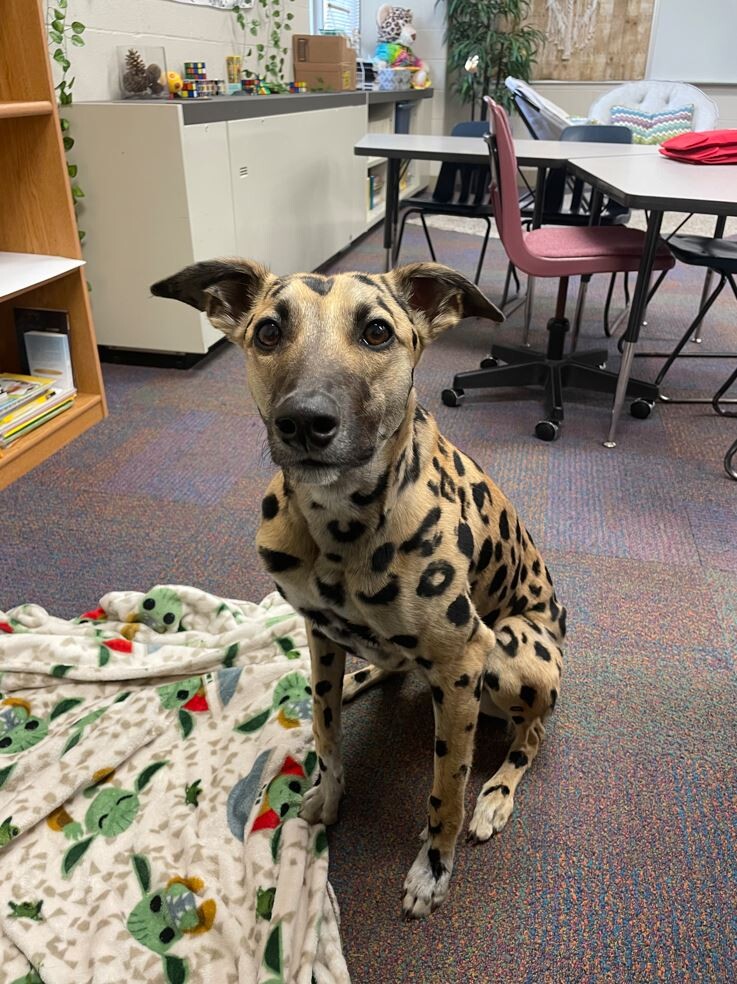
(618, 864)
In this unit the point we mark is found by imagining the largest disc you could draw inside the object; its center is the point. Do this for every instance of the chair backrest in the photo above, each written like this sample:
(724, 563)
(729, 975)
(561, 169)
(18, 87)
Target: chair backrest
(474, 178)
(593, 133)
(504, 194)
(654, 96)
(544, 119)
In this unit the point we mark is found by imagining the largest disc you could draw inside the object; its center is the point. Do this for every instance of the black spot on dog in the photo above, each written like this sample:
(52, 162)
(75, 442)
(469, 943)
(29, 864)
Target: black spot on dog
(518, 532)
(504, 525)
(316, 505)
(316, 616)
(542, 651)
(334, 557)
(504, 790)
(487, 548)
(384, 595)
(515, 580)
(548, 578)
(322, 687)
(331, 592)
(500, 576)
(518, 719)
(465, 540)
(518, 759)
(442, 447)
(459, 611)
(458, 463)
(523, 574)
(415, 339)
(479, 686)
(437, 694)
(320, 285)
(511, 646)
(382, 557)
(418, 538)
(327, 658)
(406, 641)
(412, 471)
(435, 802)
(480, 492)
(528, 695)
(366, 498)
(463, 680)
(562, 622)
(498, 550)
(535, 566)
(327, 716)
(435, 829)
(492, 618)
(435, 579)
(519, 604)
(535, 590)
(277, 561)
(491, 680)
(354, 529)
(463, 502)
(269, 506)
(553, 698)
(322, 765)
(425, 663)
(441, 747)
(360, 676)
(436, 865)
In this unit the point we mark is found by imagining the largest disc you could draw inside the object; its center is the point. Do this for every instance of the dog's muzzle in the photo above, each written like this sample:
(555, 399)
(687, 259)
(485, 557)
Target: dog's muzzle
(307, 421)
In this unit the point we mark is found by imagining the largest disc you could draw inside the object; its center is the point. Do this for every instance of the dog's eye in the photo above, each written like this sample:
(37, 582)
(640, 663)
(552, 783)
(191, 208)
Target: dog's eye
(377, 334)
(267, 335)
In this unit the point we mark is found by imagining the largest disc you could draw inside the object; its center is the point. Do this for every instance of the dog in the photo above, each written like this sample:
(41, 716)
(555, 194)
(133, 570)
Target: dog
(393, 544)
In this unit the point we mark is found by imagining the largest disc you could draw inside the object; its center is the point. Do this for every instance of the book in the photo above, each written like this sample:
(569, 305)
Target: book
(16, 389)
(31, 425)
(17, 418)
(47, 354)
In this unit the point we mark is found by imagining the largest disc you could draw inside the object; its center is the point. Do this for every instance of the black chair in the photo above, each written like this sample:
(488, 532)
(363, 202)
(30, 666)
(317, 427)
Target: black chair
(460, 190)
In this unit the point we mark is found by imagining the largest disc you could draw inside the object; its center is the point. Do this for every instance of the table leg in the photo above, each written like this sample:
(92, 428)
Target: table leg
(718, 233)
(392, 209)
(637, 310)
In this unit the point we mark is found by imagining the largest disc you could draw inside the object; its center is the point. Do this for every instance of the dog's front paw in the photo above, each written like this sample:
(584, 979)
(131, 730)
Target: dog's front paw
(427, 882)
(320, 804)
(491, 814)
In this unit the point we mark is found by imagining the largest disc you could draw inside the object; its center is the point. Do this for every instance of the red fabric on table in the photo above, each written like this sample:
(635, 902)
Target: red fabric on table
(702, 147)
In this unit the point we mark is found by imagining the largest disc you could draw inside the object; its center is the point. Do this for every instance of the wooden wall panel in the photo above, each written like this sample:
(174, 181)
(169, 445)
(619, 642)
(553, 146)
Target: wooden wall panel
(613, 47)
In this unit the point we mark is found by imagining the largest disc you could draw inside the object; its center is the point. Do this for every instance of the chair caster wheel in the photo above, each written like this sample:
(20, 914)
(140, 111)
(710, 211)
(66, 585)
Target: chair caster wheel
(602, 365)
(547, 430)
(489, 362)
(452, 397)
(641, 409)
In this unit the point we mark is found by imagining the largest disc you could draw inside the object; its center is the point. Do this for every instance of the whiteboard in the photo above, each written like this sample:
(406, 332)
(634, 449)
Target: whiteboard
(694, 41)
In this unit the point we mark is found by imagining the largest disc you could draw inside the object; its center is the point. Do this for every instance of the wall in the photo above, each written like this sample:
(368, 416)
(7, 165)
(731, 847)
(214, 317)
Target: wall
(187, 33)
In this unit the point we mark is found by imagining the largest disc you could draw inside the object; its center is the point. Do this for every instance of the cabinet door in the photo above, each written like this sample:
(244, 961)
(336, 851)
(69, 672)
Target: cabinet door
(298, 189)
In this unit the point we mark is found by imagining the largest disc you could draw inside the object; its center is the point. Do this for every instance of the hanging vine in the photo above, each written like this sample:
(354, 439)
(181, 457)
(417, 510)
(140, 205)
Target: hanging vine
(63, 33)
(269, 22)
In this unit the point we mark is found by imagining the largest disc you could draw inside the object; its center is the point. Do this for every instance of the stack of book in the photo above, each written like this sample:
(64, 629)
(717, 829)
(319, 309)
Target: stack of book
(26, 402)
(44, 387)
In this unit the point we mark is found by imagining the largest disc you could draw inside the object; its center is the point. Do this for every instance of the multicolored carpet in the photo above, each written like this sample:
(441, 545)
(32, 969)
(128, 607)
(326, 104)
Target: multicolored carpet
(619, 864)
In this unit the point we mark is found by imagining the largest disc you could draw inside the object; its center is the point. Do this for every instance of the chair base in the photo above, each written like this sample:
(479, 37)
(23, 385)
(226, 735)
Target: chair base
(553, 371)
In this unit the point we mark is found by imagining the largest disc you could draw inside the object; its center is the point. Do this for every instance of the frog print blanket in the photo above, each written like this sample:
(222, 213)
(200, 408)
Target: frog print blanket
(153, 757)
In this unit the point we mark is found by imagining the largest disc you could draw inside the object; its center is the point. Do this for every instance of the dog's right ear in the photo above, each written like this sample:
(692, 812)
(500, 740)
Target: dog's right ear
(225, 290)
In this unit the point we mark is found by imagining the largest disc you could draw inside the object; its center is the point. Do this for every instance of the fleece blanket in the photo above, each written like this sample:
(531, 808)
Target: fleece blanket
(153, 757)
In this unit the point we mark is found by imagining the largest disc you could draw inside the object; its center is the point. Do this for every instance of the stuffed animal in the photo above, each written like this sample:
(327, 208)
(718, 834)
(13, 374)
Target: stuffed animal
(395, 39)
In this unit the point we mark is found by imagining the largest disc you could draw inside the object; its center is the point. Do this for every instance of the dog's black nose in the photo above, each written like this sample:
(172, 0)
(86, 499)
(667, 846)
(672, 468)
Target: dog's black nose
(310, 420)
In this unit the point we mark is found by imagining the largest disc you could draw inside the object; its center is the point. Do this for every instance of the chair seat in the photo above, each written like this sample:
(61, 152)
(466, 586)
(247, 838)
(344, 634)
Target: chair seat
(563, 251)
(717, 254)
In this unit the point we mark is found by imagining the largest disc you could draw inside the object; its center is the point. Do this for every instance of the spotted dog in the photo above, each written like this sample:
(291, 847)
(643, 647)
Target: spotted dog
(392, 543)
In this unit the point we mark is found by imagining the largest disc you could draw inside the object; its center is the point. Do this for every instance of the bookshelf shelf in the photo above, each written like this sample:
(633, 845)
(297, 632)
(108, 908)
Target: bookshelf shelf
(15, 108)
(40, 256)
(20, 272)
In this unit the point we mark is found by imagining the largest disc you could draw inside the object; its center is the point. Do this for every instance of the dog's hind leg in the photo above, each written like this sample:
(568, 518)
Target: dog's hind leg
(355, 683)
(522, 680)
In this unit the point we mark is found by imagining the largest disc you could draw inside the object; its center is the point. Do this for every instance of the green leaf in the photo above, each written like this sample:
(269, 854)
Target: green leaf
(65, 98)
(185, 720)
(60, 670)
(58, 55)
(58, 26)
(72, 170)
(175, 970)
(63, 4)
(321, 841)
(275, 842)
(230, 654)
(103, 656)
(64, 706)
(55, 36)
(64, 124)
(78, 27)
(143, 871)
(147, 775)
(78, 193)
(73, 741)
(58, 13)
(254, 723)
(272, 950)
(77, 41)
(310, 762)
(74, 855)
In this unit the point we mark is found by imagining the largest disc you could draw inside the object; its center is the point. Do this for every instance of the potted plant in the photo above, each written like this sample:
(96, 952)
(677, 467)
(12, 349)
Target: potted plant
(496, 32)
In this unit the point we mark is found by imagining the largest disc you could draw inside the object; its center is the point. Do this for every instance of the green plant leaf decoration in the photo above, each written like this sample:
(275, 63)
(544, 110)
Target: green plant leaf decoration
(74, 855)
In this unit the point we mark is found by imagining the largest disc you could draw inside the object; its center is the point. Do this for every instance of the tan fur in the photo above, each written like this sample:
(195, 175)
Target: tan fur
(398, 548)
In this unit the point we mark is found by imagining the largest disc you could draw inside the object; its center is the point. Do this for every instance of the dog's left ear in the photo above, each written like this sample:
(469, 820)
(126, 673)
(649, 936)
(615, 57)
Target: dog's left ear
(443, 296)
(224, 289)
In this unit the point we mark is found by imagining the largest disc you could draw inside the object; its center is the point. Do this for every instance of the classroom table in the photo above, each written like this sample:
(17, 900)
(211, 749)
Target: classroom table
(658, 185)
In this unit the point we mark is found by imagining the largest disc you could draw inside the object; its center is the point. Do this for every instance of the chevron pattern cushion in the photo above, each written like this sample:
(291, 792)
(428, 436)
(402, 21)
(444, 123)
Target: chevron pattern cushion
(653, 128)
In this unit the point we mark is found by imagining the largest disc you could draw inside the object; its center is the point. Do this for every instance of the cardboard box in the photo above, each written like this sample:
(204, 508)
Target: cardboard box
(325, 63)
(328, 77)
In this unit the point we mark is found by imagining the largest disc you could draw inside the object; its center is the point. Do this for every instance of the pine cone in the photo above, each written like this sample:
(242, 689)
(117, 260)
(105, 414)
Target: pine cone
(135, 79)
(134, 63)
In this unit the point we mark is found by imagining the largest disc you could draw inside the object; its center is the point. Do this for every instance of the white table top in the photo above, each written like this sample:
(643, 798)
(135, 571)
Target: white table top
(473, 150)
(661, 184)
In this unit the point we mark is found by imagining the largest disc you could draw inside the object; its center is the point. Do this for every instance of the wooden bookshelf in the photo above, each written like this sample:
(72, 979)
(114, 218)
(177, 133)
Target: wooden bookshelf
(41, 262)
